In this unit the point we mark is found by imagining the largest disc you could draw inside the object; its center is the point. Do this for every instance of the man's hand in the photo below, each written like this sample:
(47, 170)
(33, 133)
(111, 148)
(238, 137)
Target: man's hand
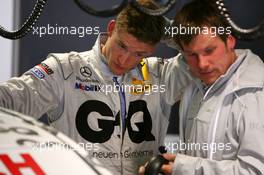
(166, 169)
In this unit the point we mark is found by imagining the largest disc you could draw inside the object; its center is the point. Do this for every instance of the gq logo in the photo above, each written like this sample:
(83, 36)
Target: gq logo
(138, 131)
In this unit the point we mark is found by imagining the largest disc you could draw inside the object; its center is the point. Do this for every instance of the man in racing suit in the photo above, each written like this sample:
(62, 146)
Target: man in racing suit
(221, 112)
(109, 99)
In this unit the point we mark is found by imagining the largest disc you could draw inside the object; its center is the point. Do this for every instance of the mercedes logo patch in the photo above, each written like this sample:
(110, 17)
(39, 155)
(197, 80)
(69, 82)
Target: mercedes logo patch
(85, 71)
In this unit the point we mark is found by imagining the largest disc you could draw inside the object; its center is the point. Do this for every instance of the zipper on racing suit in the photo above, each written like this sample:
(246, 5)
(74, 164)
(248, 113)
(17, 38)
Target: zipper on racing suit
(122, 113)
(122, 104)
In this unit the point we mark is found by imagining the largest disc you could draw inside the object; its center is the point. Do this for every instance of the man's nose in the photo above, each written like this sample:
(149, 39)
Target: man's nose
(124, 58)
(203, 62)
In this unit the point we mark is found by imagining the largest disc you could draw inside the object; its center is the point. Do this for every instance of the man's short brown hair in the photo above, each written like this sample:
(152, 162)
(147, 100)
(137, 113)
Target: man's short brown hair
(145, 28)
(198, 13)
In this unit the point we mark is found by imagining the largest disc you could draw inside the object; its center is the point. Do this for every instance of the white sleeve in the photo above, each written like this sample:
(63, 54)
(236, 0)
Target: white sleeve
(172, 76)
(36, 92)
(175, 78)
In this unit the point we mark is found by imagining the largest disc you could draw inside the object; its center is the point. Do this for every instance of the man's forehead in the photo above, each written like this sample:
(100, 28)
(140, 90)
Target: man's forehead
(201, 41)
(134, 44)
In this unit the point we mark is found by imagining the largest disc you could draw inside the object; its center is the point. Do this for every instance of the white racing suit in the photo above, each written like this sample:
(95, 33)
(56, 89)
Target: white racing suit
(222, 128)
(79, 94)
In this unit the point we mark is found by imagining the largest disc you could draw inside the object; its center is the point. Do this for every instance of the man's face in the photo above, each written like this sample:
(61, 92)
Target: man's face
(123, 51)
(209, 57)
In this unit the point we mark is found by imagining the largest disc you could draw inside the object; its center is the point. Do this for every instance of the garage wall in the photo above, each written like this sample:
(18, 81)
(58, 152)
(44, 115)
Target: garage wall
(6, 21)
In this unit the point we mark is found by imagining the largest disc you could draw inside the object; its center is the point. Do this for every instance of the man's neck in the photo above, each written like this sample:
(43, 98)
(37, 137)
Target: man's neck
(233, 56)
(102, 47)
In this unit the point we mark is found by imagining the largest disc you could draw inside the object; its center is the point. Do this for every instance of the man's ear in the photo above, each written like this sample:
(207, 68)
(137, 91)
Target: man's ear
(110, 27)
(231, 42)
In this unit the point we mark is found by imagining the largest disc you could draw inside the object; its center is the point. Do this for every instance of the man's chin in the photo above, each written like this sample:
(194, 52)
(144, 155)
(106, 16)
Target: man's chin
(209, 82)
(118, 72)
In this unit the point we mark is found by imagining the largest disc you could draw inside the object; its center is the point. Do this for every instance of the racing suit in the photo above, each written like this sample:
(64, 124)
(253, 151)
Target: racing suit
(87, 102)
(222, 128)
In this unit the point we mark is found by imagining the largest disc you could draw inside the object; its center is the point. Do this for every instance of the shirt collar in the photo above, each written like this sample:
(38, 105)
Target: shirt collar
(223, 78)
(230, 71)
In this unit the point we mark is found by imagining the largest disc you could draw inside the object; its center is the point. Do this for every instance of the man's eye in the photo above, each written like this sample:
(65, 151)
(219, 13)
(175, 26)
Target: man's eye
(122, 46)
(140, 55)
(191, 55)
(208, 51)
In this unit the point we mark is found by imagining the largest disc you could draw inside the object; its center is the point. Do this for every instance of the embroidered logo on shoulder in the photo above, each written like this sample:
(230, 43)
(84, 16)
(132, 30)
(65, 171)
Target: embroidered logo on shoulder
(45, 68)
(40, 70)
(37, 72)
